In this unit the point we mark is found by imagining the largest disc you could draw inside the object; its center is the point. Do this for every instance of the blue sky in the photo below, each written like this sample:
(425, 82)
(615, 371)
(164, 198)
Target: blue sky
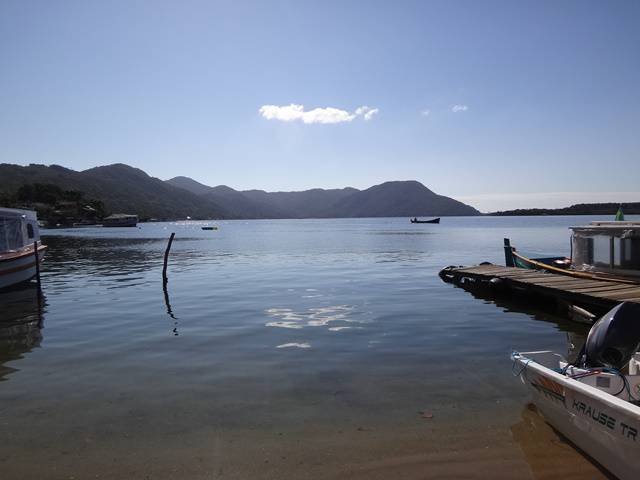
(501, 104)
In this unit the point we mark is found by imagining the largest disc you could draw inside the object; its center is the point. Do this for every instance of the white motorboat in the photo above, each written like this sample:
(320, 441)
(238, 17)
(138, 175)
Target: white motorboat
(19, 232)
(594, 401)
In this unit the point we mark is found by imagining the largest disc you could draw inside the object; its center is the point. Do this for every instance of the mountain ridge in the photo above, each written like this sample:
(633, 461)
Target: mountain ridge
(393, 198)
(120, 187)
(123, 188)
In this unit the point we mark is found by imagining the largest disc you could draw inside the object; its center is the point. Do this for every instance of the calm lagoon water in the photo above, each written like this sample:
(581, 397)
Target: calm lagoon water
(292, 349)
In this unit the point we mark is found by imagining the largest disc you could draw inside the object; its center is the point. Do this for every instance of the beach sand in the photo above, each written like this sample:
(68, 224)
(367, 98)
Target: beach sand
(429, 449)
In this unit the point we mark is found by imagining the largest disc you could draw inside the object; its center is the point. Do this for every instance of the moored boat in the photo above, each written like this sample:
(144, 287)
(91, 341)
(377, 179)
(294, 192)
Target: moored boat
(433, 220)
(600, 250)
(120, 220)
(19, 233)
(594, 401)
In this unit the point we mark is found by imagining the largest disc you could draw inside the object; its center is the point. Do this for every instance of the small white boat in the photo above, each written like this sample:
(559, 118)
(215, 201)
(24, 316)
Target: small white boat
(19, 231)
(595, 401)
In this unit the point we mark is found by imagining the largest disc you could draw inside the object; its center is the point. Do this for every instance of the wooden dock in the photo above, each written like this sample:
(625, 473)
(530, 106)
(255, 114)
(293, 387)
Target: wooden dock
(597, 296)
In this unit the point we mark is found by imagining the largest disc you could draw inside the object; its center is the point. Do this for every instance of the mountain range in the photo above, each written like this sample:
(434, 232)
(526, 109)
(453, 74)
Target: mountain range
(126, 189)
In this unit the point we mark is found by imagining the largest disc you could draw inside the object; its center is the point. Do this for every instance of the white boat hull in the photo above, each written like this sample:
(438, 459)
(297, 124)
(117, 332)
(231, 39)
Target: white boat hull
(19, 268)
(607, 428)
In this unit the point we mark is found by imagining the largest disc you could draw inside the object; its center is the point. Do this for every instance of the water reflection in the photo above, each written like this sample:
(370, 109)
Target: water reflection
(294, 345)
(564, 460)
(400, 256)
(120, 259)
(113, 370)
(167, 305)
(544, 311)
(108, 257)
(21, 322)
(313, 317)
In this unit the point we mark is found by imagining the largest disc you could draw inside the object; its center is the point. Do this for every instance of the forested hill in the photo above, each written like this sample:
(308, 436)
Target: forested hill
(389, 199)
(121, 188)
(632, 208)
(124, 189)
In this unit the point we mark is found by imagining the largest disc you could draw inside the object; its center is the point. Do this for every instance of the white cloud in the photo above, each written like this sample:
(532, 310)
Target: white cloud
(293, 112)
(459, 108)
(367, 112)
(425, 113)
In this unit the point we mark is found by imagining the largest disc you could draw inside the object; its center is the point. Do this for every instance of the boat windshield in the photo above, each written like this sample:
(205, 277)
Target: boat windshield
(11, 234)
(606, 251)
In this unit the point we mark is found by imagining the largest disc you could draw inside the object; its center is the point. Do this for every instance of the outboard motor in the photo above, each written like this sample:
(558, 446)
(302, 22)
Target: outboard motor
(614, 338)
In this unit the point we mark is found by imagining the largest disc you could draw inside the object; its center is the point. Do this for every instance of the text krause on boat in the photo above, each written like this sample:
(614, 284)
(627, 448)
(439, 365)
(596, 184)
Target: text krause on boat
(584, 412)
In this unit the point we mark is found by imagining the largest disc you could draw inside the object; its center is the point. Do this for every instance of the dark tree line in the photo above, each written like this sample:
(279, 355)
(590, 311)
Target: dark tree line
(54, 204)
(632, 208)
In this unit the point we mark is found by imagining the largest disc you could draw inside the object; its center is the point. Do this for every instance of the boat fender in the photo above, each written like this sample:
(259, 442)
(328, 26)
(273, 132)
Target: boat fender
(444, 273)
(497, 284)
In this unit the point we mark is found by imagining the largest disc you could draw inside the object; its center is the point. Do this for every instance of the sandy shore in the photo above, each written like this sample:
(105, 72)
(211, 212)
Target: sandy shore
(428, 450)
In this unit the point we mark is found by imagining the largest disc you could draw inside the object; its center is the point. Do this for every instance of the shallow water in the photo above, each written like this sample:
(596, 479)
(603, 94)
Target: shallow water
(280, 349)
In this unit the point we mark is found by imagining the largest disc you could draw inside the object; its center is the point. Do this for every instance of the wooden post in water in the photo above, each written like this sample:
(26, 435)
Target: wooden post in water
(35, 252)
(508, 253)
(166, 258)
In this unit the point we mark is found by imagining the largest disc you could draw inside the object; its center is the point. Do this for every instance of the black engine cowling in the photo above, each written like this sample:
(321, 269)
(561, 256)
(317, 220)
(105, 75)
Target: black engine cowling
(614, 338)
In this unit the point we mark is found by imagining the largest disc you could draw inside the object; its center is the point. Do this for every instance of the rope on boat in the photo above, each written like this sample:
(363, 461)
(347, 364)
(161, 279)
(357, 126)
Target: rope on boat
(525, 364)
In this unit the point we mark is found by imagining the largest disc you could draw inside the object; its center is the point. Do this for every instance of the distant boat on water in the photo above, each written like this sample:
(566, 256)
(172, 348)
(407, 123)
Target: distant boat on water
(120, 220)
(19, 231)
(209, 227)
(433, 220)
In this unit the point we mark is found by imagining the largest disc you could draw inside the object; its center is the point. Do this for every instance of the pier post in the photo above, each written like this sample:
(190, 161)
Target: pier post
(166, 259)
(35, 253)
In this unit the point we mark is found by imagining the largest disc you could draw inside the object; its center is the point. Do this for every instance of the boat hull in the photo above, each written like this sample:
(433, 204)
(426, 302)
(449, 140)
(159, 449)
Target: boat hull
(435, 220)
(603, 426)
(559, 265)
(521, 261)
(19, 268)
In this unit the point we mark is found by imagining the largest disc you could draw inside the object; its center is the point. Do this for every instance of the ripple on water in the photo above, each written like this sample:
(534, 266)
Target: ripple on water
(313, 317)
(294, 345)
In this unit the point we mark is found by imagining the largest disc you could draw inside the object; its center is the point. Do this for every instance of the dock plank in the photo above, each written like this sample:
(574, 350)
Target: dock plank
(598, 294)
(605, 288)
(526, 274)
(506, 272)
(634, 293)
(550, 280)
(484, 269)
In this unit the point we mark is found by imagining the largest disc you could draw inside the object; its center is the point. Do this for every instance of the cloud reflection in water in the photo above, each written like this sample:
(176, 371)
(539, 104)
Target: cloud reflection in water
(313, 317)
(294, 345)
